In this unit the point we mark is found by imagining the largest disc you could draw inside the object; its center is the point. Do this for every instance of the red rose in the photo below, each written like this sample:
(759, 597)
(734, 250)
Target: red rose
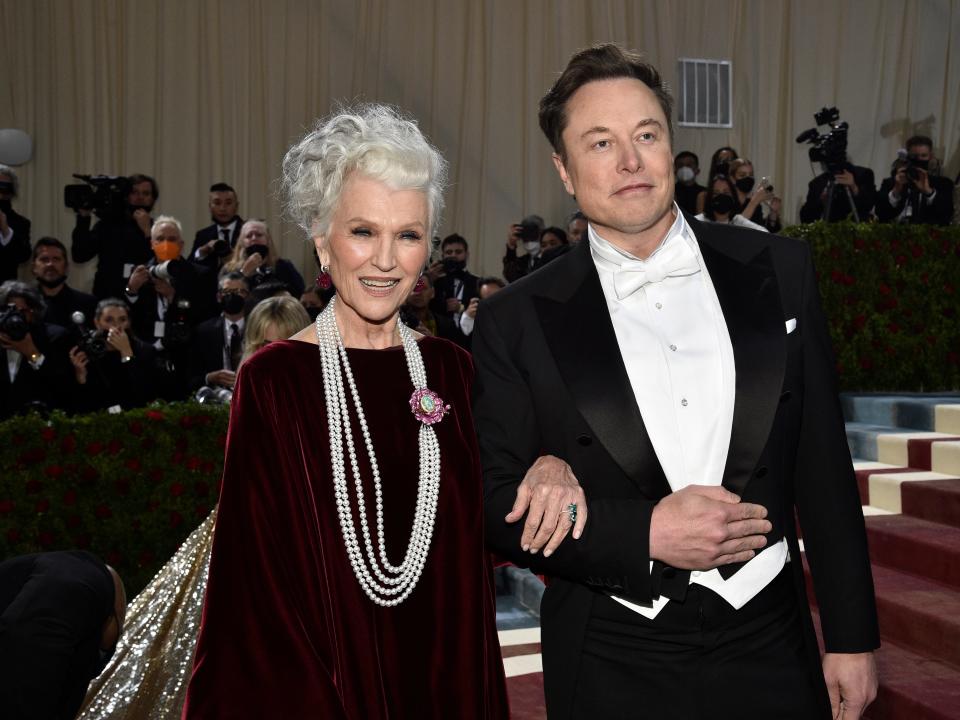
(70, 498)
(136, 428)
(193, 462)
(114, 447)
(176, 490)
(43, 505)
(6, 506)
(48, 434)
(890, 351)
(156, 475)
(885, 289)
(122, 487)
(94, 448)
(206, 467)
(837, 277)
(73, 521)
(69, 444)
(45, 538)
(901, 260)
(176, 519)
(33, 486)
(154, 415)
(13, 536)
(948, 288)
(53, 471)
(133, 464)
(103, 511)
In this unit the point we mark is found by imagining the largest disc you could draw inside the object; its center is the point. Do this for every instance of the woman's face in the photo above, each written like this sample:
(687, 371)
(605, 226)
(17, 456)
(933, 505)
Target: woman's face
(375, 248)
(720, 188)
(254, 232)
(743, 171)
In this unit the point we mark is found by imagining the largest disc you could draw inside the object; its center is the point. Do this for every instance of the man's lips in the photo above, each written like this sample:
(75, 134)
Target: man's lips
(633, 187)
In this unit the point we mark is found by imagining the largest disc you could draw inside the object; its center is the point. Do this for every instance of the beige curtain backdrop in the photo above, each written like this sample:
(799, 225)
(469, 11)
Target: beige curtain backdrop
(198, 91)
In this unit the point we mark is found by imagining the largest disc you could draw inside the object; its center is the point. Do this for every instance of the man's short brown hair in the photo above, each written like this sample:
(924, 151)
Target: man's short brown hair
(600, 62)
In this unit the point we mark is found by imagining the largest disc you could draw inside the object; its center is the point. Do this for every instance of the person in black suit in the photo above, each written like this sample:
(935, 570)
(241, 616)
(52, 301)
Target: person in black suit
(212, 245)
(120, 243)
(858, 180)
(14, 228)
(912, 194)
(218, 347)
(453, 286)
(256, 257)
(50, 267)
(652, 408)
(61, 615)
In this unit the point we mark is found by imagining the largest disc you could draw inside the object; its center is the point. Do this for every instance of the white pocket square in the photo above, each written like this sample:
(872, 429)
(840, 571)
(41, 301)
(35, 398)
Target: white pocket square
(791, 325)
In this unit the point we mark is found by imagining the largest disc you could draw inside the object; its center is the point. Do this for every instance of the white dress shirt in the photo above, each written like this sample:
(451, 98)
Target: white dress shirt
(674, 342)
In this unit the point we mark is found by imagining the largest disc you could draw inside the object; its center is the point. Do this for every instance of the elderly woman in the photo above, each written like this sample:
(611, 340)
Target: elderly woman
(348, 577)
(256, 257)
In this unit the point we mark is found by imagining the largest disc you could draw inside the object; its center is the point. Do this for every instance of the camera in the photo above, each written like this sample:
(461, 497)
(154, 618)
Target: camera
(221, 248)
(105, 195)
(529, 231)
(13, 324)
(177, 328)
(914, 165)
(213, 395)
(169, 270)
(91, 342)
(830, 148)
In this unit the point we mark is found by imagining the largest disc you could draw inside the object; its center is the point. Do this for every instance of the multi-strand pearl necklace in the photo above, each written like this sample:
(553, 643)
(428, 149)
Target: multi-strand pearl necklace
(384, 583)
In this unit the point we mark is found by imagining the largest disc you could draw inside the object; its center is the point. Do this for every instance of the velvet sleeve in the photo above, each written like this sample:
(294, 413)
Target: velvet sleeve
(254, 658)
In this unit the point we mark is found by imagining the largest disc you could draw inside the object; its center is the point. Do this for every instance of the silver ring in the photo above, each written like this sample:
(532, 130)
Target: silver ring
(572, 513)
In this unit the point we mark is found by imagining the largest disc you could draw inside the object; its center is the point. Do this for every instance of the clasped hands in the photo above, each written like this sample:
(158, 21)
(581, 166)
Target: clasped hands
(697, 528)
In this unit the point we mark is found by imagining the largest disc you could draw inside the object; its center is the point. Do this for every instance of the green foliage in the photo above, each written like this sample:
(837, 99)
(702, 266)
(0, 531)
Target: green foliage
(128, 487)
(891, 294)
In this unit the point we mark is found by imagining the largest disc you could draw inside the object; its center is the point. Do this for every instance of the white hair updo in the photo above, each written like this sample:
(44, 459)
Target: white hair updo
(373, 139)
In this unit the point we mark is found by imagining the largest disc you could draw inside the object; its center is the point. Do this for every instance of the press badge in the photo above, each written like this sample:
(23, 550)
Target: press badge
(158, 329)
(127, 270)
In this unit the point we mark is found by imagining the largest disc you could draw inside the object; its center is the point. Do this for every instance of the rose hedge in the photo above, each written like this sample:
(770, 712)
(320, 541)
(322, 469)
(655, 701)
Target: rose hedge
(891, 294)
(128, 487)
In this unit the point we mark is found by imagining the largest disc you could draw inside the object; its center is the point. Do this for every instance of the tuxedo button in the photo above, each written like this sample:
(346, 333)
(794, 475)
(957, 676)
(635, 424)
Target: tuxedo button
(761, 472)
(584, 440)
(669, 573)
(695, 573)
(786, 395)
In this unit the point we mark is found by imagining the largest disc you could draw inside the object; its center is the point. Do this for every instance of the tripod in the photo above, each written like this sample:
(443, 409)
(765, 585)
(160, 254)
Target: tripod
(831, 184)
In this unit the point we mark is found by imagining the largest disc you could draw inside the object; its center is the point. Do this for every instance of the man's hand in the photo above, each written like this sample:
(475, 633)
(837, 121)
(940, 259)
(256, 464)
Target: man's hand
(845, 177)
(922, 181)
(514, 235)
(851, 683)
(900, 181)
(702, 527)
(435, 271)
(119, 341)
(547, 489)
(471, 310)
(207, 248)
(25, 346)
(79, 360)
(454, 305)
(138, 278)
(224, 378)
(142, 218)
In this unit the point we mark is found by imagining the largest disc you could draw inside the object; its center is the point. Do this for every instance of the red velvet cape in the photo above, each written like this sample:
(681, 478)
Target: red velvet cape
(287, 632)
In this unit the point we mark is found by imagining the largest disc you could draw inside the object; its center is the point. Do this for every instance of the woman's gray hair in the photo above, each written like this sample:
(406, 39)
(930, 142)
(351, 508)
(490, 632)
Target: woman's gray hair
(376, 140)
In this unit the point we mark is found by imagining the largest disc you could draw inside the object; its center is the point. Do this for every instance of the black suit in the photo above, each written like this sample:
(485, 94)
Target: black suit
(119, 246)
(445, 288)
(46, 384)
(18, 249)
(207, 353)
(937, 212)
(211, 264)
(812, 210)
(551, 380)
(60, 307)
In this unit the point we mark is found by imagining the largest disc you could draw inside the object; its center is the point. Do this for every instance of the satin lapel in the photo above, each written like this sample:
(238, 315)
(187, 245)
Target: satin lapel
(750, 300)
(581, 338)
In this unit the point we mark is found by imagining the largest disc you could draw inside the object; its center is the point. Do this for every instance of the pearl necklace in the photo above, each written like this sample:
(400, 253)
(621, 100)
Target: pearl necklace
(390, 584)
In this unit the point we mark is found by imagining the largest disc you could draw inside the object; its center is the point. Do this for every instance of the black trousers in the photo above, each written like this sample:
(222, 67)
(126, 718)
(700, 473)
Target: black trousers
(701, 659)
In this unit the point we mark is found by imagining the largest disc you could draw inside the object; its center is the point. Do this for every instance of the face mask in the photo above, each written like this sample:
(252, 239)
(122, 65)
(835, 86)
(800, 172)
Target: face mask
(723, 167)
(166, 250)
(745, 184)
(5, 206)
(450, 265)
(531, 246)
(262, 250)
(685, 174)
(721, 204)
(56, 282)
(232, 303)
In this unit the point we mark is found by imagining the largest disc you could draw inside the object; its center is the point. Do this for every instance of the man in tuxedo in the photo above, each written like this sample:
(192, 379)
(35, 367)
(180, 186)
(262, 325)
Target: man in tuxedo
(212, 245)
(856, 180)
(913, 193)
(666, 392)
(50, 267)
(455, 287)
(218, 347)
(14, 227)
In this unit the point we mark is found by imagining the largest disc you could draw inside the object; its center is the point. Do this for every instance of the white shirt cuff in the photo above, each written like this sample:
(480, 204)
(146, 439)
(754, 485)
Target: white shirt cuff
(6, 237)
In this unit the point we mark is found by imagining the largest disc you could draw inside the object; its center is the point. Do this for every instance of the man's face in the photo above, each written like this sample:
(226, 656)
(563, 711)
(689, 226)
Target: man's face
(237, 287)
(619, 163)
(141, 195)
(50, 264)
(163, 233)
(920, 152)
(113, 318)
(576, 230)
(223, 206)
(455, 251)
(488, 289)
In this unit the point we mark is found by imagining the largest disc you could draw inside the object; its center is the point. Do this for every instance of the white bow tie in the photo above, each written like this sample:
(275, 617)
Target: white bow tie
(675, 260)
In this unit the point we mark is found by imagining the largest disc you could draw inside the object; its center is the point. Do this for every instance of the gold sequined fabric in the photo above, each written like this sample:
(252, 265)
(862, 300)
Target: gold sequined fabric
(147, 677)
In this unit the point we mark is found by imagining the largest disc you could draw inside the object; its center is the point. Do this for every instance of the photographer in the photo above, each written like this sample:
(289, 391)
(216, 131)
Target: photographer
(914, 193)
(14, 228)
(862, 187)
(120, 239)
(256, 257)
(219, 343)
(114, 369)
(50, 268)
(35, 368)
(213, 244)
(752, 198)
(526, 233)
(163, 295)
(453, 285)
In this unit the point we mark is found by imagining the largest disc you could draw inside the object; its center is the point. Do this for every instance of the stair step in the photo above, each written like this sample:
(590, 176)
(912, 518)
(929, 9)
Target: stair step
(885, 489)
(945, 457)
(947, 418)
(911, 449)
(937, 501)
(862, 439)
(916, 546)
(917, 412)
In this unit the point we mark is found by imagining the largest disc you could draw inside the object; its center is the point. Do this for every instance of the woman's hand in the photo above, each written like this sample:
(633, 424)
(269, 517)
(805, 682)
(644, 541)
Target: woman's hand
(251, 264)
(79, 360)
(547, 491)
(118, 340)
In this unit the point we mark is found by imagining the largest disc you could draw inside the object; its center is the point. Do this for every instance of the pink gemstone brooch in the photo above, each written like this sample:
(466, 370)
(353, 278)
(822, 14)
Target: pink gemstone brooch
(427, 406)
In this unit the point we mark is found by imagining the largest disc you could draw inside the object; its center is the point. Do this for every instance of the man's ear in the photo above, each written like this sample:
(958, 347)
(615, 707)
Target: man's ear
(564, 176)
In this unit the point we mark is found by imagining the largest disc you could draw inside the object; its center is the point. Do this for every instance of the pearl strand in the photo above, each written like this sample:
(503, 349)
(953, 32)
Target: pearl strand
(389, 585)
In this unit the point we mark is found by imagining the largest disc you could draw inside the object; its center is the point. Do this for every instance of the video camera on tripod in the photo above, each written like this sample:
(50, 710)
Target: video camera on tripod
(105, 195)
(830, 150)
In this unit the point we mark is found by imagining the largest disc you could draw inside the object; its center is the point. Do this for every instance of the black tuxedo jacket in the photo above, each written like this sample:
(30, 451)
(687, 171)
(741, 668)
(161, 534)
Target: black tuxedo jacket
(551, 380)
(18, 249)
(812, 210)
(207, 351)
(47, 384)
(939, 212)
(212, 232)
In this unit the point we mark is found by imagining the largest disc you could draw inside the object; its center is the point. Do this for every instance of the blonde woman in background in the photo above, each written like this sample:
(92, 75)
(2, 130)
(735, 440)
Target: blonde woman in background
(256, 256)
(276, 318)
